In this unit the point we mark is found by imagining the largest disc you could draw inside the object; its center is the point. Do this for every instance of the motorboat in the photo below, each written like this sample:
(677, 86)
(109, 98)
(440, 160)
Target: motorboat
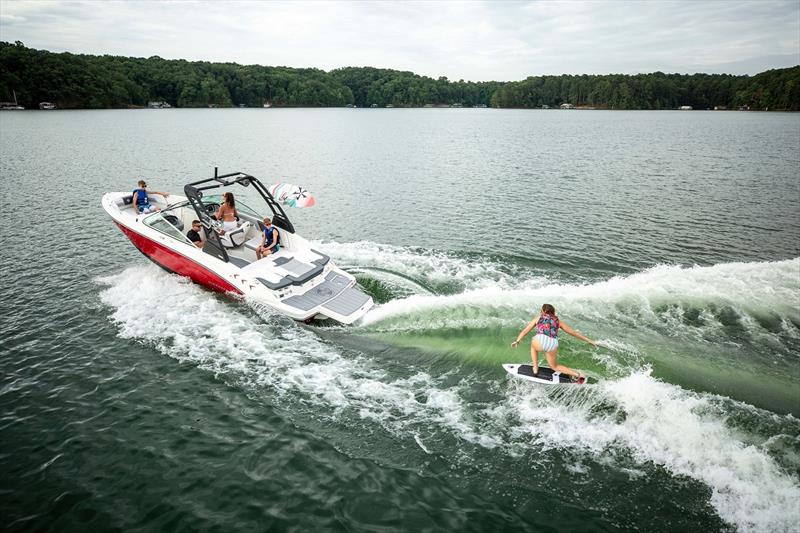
(297, 281)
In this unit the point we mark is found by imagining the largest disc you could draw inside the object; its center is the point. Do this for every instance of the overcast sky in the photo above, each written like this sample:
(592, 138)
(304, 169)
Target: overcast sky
(471, 40)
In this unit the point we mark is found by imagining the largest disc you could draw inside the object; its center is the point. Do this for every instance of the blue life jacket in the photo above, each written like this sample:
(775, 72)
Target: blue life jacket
(141, 199)
(268, 234)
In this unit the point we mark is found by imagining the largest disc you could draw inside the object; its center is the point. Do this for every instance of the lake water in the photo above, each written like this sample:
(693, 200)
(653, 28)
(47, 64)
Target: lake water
(134, 400)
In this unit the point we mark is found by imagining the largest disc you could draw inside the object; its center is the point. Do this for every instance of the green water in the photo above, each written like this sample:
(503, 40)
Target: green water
(135, 400)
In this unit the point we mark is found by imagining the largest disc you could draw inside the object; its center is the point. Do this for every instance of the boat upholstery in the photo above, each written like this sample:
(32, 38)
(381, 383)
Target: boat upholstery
(125, 200)
(253, 243)
(238, 261)
(283, 269)
(237, 237)
(334, 295)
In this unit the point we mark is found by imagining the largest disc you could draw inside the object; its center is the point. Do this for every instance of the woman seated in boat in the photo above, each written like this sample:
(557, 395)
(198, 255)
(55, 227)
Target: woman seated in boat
(227, 213)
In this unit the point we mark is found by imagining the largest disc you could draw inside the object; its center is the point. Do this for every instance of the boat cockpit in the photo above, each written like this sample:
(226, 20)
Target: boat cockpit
(294, 264)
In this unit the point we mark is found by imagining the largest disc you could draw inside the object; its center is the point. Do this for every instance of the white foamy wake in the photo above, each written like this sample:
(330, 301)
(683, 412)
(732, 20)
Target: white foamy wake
(429, 266)
(662, 424)
(188, 323)
(680, 430)
(657, 295)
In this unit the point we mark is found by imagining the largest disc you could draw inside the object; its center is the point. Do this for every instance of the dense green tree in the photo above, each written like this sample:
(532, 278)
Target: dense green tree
(774, 89)
(85, 81)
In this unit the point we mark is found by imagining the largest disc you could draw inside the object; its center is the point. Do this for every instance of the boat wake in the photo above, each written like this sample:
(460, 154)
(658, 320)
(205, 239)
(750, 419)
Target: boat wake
(758, 298)
(748, 457)
(644, 420)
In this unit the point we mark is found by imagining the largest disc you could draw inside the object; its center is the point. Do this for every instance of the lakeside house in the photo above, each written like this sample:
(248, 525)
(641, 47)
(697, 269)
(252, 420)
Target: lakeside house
(158, 105)
(567, 106)
(47, 106)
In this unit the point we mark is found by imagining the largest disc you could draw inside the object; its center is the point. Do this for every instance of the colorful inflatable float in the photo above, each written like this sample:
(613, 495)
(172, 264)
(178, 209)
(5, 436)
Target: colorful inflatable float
(292, 195)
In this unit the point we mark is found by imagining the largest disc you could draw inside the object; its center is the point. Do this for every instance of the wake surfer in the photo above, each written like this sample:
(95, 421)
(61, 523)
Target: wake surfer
(547, 325)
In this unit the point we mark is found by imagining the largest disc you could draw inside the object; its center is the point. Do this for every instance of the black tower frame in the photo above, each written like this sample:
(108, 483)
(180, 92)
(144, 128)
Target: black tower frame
(194, 193)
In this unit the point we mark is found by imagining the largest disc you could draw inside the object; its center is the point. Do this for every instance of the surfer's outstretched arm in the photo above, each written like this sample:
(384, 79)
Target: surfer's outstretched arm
(577, 334)
(528, 328)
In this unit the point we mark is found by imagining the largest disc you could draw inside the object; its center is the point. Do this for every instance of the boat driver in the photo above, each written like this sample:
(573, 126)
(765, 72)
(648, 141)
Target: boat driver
(194, 234)
(269, 240)
(140, 200)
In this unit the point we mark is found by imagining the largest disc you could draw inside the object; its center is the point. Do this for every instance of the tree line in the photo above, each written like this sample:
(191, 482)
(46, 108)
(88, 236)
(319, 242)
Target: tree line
(777, 89)
(89, 82)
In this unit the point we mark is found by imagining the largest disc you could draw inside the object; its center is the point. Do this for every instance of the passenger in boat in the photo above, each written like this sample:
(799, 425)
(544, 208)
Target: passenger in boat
(227, 213)
(269, 240)
(547, 325)
(194, 234)
(140, 200)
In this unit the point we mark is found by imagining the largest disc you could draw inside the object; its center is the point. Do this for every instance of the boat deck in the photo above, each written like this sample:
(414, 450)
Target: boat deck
(286, 268)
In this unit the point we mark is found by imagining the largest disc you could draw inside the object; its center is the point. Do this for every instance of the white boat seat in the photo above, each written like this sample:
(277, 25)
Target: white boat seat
(235, 238)
(253, 243)
(283, 269)
(293, 266)
(125, 200)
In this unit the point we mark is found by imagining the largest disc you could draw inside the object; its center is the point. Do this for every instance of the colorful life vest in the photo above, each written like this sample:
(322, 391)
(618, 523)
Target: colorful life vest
(548, 325)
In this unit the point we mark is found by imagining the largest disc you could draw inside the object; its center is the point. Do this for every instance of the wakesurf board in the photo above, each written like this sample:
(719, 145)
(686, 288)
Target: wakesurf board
(545, 376)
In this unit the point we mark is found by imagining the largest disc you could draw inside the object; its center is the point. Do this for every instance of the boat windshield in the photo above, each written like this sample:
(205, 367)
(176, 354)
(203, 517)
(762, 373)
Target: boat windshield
(158, 222)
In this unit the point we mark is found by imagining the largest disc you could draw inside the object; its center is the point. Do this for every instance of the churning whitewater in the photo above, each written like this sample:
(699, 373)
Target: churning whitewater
(642, 415)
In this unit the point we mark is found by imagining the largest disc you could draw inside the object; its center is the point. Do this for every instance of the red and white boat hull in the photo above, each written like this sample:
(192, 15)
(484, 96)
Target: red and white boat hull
(297, 281)
(174, 262)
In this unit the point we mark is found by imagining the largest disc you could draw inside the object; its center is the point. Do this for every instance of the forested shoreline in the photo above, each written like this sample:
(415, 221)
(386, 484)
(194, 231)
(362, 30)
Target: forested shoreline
(78, 81)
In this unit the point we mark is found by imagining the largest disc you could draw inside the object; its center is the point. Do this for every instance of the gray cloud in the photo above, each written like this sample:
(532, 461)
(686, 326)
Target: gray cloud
(469, 40)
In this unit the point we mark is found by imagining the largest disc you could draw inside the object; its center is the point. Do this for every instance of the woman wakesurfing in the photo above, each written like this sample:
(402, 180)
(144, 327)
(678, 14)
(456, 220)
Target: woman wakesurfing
(547, 325)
